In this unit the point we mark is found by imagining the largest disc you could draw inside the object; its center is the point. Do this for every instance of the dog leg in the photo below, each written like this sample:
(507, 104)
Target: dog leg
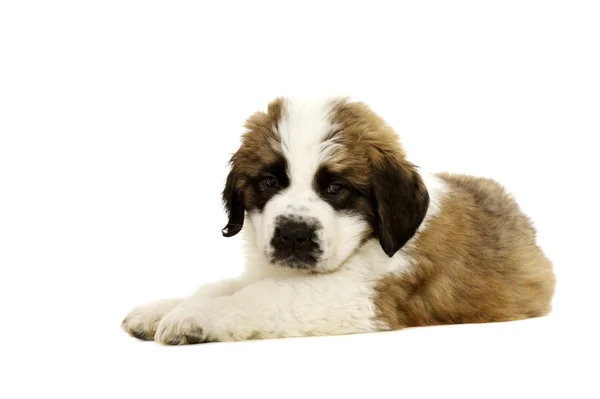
(334, 304)
(142, 321)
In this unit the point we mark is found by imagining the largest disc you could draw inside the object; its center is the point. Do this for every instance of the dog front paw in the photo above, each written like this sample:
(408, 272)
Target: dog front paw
(217, 320)
(142, 322)
(181, 326)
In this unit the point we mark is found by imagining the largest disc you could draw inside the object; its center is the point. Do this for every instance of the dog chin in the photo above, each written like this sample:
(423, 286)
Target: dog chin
(309, 264)
(314, 266)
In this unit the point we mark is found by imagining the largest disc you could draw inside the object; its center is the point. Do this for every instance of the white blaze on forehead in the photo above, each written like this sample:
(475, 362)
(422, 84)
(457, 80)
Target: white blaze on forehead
(303, 127)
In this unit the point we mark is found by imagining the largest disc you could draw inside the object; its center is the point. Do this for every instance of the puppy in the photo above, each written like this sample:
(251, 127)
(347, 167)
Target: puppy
(344, 235)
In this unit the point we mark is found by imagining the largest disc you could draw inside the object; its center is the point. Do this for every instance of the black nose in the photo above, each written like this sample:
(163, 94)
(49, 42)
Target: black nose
(295, 240)
(293, 235)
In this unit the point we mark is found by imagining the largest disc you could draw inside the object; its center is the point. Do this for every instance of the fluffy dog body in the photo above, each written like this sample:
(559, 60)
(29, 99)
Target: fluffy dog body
(344, 235)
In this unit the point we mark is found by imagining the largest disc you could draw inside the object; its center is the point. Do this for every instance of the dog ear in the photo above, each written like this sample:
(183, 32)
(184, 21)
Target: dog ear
(234, 206)
(401, 202)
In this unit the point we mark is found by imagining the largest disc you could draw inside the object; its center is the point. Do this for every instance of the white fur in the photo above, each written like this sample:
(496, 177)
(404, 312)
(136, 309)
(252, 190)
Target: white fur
(269, 301)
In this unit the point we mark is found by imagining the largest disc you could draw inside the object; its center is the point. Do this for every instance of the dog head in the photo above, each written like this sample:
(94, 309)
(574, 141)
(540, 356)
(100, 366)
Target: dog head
(313, 181)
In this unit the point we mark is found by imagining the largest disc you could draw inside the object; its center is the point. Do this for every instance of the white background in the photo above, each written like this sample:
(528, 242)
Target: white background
(117, 119)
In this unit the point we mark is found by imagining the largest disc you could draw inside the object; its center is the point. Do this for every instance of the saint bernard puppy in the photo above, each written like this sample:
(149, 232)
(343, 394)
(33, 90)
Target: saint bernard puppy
(344, 235)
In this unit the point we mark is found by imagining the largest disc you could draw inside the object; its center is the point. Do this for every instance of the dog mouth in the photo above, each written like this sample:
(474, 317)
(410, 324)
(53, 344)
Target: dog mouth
(305, 261)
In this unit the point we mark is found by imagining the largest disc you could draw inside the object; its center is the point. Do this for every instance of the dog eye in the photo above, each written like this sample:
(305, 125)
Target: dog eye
(271, 181)
(334, 189)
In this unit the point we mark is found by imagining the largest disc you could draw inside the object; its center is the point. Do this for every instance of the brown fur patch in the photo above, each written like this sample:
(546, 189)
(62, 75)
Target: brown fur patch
(260, 146)
(365, 142)
(370, 156)
(261, 143)
(477, 261)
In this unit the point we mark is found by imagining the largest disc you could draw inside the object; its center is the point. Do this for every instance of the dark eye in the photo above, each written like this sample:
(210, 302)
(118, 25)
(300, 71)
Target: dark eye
(271, 181)
(334, 189)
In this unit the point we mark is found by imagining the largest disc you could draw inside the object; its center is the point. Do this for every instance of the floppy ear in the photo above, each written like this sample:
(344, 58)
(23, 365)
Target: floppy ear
(401, 201)
(234, 206)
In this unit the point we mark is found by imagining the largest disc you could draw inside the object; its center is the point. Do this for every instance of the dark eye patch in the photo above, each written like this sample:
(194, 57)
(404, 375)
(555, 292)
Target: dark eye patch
(336, 190)
(271, 179)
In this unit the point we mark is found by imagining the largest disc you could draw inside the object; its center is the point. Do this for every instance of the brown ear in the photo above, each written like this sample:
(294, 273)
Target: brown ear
(401, 201)
(234, 206)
